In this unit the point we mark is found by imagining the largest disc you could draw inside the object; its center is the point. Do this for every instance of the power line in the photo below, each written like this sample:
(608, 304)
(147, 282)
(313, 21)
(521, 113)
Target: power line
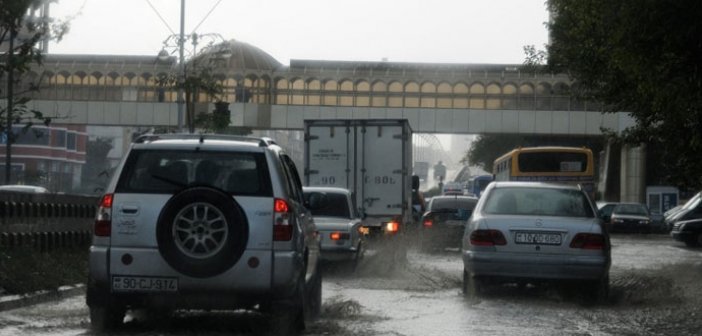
(160, 17)
(206, 16)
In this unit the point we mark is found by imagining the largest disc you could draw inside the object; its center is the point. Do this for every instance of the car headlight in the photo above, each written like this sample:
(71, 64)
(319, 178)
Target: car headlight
(644, 222)
(617, 220)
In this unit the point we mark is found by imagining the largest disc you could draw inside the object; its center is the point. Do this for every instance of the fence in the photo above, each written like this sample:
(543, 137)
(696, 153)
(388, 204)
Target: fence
(46, 221)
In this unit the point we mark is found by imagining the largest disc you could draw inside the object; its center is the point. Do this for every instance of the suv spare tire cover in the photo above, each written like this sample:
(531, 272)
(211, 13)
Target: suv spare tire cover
(202, 232)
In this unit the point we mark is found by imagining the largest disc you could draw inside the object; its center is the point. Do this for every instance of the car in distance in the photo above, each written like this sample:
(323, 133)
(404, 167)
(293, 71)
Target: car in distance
(688, 232)
(531, 232)
(444, 221)
(630, 217)
(338, 222)
(204, 222)
(452, 188)
(29, 189)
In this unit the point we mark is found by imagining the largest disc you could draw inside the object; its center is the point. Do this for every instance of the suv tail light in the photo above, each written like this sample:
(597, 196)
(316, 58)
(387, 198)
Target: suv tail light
(103, 220)
(588, 241)
(487, 238)
(282, 228)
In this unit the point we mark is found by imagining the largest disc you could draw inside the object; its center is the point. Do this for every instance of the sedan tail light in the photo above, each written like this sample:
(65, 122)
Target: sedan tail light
(588, 241)
(339, 236)
(487, 238)
(428, 223)
(103, 220)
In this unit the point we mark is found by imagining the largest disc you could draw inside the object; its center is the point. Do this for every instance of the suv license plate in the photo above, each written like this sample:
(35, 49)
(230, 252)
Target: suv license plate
(144, 284)
(537, 238)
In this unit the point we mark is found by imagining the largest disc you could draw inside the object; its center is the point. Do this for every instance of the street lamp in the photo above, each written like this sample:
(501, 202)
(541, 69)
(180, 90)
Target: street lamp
(177, 41)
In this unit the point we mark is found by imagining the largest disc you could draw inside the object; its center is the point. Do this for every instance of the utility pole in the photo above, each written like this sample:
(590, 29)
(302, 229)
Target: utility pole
(181, 66)
(10, 106)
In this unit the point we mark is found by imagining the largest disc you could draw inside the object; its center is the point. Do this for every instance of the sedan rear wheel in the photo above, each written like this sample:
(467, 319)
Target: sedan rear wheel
(472, 286)
(599, 290)
(357, 256)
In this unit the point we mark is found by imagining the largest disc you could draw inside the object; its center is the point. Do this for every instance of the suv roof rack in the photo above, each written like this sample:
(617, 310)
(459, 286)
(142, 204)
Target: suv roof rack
(262, 141)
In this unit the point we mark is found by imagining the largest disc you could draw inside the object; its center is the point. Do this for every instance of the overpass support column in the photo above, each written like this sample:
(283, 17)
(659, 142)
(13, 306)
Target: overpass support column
(633, 173)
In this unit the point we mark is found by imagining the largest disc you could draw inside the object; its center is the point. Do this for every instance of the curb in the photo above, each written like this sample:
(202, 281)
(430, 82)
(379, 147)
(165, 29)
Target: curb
(10, 302)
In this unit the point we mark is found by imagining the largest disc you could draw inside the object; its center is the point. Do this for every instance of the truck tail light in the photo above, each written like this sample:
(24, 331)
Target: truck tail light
(588, 241)
(282, 228)
(487, 238)
(392, 226)
(103, 220)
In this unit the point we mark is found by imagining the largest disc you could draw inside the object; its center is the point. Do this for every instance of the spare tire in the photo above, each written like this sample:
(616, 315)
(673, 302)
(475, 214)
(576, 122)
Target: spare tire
(202, 232)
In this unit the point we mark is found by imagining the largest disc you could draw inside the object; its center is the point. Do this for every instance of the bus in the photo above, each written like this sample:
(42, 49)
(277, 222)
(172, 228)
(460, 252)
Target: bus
(477, 184)
(566, 165)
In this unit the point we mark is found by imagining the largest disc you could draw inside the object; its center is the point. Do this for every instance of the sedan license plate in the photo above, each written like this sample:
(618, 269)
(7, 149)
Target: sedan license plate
(144, 284)
(538, 238)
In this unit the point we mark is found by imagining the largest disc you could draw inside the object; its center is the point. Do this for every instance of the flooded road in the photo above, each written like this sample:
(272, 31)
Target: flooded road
(655, 290)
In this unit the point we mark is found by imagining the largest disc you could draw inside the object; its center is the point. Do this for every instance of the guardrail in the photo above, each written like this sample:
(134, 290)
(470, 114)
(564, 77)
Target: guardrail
(46, 221)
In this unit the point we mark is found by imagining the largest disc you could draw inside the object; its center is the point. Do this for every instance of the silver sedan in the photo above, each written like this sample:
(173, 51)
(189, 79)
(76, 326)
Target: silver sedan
(338, 223)
(529, 232)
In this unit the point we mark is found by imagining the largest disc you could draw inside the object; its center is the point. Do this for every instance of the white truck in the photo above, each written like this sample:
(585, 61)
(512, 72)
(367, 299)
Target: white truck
(370, 157)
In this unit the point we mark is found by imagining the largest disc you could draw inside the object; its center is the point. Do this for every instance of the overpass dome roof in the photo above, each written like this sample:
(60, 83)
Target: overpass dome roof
(243, 56)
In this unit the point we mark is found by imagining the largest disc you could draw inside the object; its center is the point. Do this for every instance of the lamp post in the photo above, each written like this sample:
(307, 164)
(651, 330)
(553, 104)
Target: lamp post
(181, 76)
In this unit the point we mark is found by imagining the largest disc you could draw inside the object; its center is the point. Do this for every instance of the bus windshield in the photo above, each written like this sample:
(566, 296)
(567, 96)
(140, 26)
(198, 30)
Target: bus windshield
(533, 162)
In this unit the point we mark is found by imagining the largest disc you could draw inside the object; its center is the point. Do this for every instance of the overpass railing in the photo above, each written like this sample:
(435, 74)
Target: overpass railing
(46, 221)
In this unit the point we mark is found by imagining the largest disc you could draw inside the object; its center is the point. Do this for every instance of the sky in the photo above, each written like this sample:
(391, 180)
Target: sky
(438, 31)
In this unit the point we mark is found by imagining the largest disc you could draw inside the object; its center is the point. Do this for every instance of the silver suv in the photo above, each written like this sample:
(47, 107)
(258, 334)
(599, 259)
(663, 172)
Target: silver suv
(204, 222)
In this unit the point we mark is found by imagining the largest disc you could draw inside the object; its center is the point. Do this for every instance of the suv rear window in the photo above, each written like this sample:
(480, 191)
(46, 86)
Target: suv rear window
(167, 171)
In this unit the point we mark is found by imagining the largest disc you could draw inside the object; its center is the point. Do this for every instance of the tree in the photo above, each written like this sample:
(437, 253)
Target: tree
(637, 56)
(20, 32)
(96, 172)
(200, 78)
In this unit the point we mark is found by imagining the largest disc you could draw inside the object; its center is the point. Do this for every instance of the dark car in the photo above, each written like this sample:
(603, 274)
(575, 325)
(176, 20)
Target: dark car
(688, 232)
(444, 221)
(605, 211)
(630, 217)
(692, 209)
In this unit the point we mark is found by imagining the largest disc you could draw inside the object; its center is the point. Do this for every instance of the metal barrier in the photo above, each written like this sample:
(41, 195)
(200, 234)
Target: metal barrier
(46, 222)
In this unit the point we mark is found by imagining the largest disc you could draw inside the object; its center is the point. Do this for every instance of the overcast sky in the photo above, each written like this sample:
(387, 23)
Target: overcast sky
(440, 31)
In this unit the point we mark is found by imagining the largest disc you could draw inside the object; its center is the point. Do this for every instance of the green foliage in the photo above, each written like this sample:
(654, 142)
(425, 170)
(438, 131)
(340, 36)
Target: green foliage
(217, 121)
(638, 56)
(196, 81)
(96, 172)
(20, 32)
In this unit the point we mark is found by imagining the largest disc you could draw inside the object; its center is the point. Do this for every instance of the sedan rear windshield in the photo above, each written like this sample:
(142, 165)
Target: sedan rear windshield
(167, 171)
(631, 209)
(538, 202)
(452, 203)
(323, 204)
